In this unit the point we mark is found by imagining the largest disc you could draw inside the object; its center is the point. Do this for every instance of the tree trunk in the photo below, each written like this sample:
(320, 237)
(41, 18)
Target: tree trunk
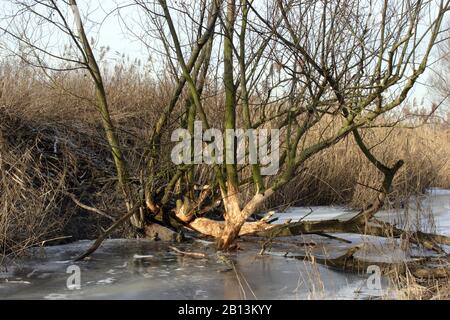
(234, 219)
(233, 214)
(108, 126)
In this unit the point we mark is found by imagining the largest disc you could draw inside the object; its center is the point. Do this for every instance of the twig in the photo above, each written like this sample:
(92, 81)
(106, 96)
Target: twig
(306, 215)
(89, 208)
(54, 239)
(197, 255)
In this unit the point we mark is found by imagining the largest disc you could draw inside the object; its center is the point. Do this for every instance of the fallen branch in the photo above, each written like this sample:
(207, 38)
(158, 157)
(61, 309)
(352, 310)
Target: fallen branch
(419, 268)
(197, 255)
(380, 229)
(215, 229)
(105, 234)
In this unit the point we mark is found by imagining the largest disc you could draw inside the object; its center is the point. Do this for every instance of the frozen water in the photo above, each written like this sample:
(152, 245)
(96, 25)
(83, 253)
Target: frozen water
(142, 269)
(115, 273)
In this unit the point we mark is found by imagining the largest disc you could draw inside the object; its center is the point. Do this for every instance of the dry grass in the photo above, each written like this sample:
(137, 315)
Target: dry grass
(341, 174)
(407, 287)
(39, 164)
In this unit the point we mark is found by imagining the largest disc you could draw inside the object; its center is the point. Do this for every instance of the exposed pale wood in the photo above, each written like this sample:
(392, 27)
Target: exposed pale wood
(197, 255)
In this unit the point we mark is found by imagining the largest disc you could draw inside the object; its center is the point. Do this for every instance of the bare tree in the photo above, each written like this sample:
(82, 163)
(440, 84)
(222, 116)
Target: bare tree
(29, 26)
(345, 63)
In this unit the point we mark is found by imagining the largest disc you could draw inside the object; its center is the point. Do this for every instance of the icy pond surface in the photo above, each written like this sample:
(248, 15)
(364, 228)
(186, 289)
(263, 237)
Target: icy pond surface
(141, 269)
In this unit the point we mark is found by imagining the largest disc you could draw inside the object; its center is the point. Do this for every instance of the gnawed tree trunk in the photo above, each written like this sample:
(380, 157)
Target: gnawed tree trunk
(233, 214)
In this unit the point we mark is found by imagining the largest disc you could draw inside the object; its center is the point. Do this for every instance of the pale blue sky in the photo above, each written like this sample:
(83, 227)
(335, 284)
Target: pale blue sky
(108, 29)
(112, 34)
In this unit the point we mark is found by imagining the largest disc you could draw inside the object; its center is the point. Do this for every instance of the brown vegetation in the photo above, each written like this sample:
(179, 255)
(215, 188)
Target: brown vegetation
(52, 145)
